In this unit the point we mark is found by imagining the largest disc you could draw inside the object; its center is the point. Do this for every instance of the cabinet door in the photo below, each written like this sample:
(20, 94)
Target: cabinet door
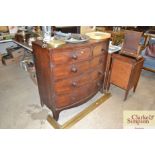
(120, 73)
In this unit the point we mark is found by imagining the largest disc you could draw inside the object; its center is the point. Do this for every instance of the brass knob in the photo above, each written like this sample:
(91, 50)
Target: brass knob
(74, 84)
(100, 72)
(74, 69)
(74, 56)
(103, 50)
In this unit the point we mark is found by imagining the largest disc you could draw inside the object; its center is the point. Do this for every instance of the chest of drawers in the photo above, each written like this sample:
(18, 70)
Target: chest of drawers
(71, 74)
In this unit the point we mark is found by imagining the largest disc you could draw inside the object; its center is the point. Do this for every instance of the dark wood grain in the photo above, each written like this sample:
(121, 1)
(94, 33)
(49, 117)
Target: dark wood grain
(71, 74)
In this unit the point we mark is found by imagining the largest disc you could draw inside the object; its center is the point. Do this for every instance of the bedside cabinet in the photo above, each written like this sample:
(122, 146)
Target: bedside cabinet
(125, 72)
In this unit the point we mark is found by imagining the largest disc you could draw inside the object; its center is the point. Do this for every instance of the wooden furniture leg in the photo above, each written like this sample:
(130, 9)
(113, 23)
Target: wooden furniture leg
(126, 95)
(42, 104)
(106, 79)
(134, 89)
(56, 115)
(147, 38)
(108, 86)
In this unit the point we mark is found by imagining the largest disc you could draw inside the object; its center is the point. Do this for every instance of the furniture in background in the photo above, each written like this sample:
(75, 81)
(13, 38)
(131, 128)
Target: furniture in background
(67, 29)
(149, 55)
(87, 29)
(117, 33)
(71, 74)
(117, 37)
(4, 29)
(131, 45)
(133, 28)
(125, 67)
(148, 35)
(112, 49)
(125, 72)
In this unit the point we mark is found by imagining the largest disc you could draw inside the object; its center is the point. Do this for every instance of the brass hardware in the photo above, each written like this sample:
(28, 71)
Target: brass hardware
(53, 122)
(100, 72)
(44, 45)
(74, 69)
(80, 115)
(103, 50)
(74, 84)
(74, 56)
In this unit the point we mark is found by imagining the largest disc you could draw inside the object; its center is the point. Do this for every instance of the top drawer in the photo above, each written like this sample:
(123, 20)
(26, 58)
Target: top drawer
(99, 49)
(71, 56)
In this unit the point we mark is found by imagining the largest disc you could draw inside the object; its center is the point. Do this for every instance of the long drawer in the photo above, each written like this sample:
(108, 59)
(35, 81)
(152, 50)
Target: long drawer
(71, 56)
(70, 84)
(77, 95)
(72, 70)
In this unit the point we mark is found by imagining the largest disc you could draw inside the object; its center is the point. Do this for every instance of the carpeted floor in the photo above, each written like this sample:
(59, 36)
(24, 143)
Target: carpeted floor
(20, 105)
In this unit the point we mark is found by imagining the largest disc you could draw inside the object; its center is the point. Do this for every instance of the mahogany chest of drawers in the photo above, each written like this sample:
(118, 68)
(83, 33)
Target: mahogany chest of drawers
(71, 74)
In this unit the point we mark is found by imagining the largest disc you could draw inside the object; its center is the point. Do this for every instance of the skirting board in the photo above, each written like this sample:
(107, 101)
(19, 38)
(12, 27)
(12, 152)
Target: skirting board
(80, 115)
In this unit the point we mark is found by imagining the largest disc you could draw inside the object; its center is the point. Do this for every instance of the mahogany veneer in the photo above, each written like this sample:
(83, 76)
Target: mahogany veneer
(71, 74)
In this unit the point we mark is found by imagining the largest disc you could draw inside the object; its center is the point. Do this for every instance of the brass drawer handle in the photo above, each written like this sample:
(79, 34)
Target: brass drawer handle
(103, 50)
(98, 84)
(100, 72)
(74, 69)
(74, 84)
(74, 56)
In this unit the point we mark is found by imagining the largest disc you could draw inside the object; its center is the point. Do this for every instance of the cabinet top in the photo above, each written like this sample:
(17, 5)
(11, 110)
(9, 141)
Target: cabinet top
(71, 45)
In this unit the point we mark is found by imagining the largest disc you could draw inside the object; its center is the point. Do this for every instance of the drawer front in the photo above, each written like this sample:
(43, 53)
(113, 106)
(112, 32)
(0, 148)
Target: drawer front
(97, 74)
(74, 97)
(72, 70)
(120, 73)
(77, 95)
(96, 85)
(99, 49)
(71, 56)
(70, 84)
(98, 60)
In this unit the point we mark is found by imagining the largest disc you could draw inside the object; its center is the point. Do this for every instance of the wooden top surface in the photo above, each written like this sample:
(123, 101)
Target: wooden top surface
(72, 45)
